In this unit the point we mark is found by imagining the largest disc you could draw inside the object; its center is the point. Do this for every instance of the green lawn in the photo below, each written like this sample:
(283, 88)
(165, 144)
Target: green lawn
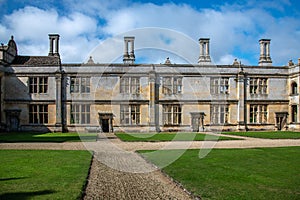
(43, 174)
(156, 137)
(268, 134)
(262, 173)
(47, 137)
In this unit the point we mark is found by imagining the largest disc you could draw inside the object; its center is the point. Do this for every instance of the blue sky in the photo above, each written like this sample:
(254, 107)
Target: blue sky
(234, 28)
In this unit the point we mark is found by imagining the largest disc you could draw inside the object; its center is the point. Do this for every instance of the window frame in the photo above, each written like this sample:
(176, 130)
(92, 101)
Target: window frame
(38, 114)
(219, 85)
(38, 84)
(219, 113)
(130, 85)
(294, 88)
(258, 114)
(172, 114)
(171, 85)
(80, 114)
(130, 114)
(80, 85)
(258, 86)
(294, 113)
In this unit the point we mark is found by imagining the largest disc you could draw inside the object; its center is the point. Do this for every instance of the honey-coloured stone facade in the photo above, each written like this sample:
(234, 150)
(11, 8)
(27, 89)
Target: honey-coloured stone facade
(146, 97)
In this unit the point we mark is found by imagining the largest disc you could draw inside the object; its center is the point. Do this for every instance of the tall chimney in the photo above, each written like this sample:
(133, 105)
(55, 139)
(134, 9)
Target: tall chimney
(265, 59)
(54, 45)
(129, 57)
(204, 57)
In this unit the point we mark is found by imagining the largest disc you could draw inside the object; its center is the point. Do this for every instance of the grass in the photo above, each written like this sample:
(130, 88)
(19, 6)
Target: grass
(47, 137)
(43, 174)
(158, 137)
(268, 134)
(262, 173)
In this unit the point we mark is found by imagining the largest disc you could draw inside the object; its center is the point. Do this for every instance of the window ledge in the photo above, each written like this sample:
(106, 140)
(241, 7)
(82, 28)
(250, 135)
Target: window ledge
(39, 94)
(258, 94)
(171, 125)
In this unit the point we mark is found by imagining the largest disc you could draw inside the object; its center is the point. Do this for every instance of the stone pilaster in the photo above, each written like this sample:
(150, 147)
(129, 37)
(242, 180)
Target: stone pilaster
(242, 98)
(58, 102)
(153, 106)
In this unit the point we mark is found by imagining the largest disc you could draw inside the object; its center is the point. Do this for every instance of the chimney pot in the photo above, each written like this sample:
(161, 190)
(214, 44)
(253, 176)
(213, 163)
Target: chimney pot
(204, 57)
(129, 57)
(265, 58)
(54, 43)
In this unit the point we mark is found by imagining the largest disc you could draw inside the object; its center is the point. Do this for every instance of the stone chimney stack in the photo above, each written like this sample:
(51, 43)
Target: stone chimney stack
(129, 57)
(54, 45)
(265, 59)
(204, 57)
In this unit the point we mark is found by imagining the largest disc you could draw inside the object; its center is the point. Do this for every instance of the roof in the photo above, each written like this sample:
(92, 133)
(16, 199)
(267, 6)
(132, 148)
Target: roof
(36, 60)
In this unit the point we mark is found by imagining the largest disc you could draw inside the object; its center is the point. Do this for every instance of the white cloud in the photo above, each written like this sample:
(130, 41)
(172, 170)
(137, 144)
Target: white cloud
(31, 27)
(232, 31)
(221, 26)
(226, 59)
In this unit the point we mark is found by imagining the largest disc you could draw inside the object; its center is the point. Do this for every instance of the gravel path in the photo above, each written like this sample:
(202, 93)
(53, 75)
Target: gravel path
(44, 145)
(108, 183)
(117, 172)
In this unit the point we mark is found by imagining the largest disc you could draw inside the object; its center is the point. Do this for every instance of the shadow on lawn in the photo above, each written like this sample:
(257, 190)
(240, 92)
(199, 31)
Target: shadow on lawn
(11, 179)
(25, 195)
(38, 137)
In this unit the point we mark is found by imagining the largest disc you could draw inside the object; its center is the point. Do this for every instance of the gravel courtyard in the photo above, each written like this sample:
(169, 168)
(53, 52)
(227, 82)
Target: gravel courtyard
(117, 172)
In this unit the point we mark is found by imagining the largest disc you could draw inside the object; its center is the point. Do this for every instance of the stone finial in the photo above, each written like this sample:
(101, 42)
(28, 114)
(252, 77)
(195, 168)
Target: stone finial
(235, 62)
(290, 63)
(90, 61)
(168, 61)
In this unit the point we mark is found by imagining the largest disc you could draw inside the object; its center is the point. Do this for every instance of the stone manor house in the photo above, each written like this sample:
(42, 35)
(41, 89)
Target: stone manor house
(39, 93)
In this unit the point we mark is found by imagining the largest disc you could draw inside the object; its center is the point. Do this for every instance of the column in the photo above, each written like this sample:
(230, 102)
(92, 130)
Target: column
(131, 48)
(50, 46)
(111, 129)
(201, 50)
(153, 118)
(268, 51)
(58, 124)
(125, 48)
(206, 49)
(241, 94)
(56, 46)
(262, 51)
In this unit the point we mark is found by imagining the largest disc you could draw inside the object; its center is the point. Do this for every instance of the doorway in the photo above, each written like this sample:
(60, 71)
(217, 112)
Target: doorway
(13, 120)
(280, 120)
(106, 122)
(197, 121)
(105, 125)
